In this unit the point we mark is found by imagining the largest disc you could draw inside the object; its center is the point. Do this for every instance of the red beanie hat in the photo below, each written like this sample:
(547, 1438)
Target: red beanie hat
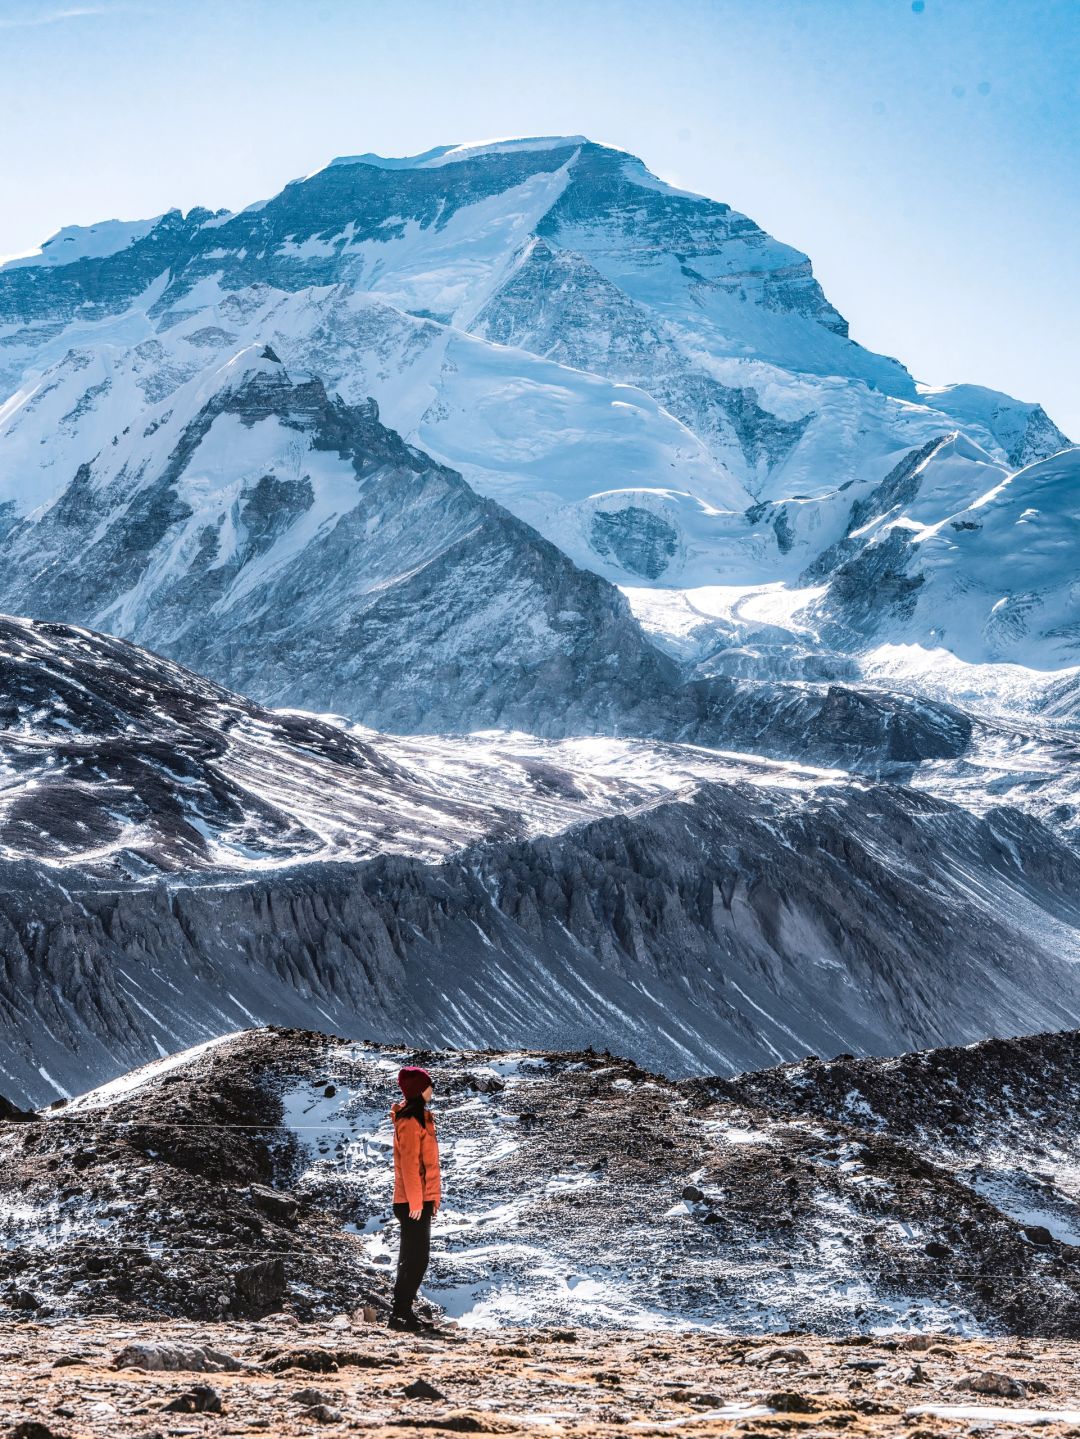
(412, 1081)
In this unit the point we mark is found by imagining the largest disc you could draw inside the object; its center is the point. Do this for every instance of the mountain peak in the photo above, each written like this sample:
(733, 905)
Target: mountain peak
(452, 154)
(250, 364)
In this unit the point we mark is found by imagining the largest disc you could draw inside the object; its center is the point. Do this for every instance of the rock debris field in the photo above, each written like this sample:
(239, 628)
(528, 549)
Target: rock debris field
(283, 1377)
(875, 1246)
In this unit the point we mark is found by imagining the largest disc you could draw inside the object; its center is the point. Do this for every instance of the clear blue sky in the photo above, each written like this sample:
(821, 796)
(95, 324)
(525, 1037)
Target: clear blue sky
(926, 155)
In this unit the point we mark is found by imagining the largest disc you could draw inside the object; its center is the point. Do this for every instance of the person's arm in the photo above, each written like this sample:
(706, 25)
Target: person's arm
(434, 1171)
(408, 1137)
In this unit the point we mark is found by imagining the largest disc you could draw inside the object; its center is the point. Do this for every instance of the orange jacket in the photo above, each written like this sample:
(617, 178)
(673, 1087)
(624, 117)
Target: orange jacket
(416, 1160)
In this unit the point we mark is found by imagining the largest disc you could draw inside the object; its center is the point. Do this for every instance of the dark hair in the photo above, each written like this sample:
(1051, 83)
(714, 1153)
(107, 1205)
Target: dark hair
(414, 1108)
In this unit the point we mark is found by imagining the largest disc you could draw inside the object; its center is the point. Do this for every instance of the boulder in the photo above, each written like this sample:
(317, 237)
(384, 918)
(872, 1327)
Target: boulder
(199, 1399)
(260, 1287)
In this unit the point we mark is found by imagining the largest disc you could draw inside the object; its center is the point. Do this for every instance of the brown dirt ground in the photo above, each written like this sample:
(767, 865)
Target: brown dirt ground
(61, 1380)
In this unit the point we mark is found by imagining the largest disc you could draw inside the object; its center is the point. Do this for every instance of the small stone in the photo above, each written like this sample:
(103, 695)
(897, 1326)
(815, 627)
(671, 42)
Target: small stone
(936, 1250)
(786, 1402)
(1040, 1235)
(200, 1399)
(692, 1194)
(421, 1389)
(866, 1366)
(308, 1398)
(316, 1361)
(917, 1341)
(323, 1414)
(915, 1375)
(989, 1382)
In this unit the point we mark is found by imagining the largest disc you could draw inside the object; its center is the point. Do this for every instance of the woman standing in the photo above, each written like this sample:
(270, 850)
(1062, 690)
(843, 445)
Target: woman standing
(417, 1189)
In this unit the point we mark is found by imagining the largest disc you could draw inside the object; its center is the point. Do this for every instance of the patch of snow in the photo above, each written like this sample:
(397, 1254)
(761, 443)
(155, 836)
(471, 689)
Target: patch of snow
(119, 1088)
(84, 242)
(998, 1414)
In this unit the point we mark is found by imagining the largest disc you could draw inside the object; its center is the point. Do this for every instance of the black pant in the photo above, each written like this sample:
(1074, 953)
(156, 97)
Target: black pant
(413, 1253)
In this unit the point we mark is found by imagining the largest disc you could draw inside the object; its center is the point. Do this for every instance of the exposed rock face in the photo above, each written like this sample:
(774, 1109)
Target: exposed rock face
(640, 541)
(707, 933)
(605, 1195)
(177, 860)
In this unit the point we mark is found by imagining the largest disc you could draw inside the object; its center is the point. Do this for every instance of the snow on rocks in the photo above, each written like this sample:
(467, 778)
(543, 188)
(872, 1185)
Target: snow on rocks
(545, 1219)
(174, 1357)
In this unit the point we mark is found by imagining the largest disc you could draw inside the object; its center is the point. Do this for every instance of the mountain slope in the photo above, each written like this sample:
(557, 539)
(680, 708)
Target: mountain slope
(375, 581)
(645, 376)
(175, 860)
(992, 581)
(289, 545)
(714, 1207)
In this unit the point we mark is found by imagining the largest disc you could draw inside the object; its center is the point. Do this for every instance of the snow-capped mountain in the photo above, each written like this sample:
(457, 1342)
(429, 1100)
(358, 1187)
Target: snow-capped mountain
(656, 385)
(176, 861)
(290, 545)
(516, 438)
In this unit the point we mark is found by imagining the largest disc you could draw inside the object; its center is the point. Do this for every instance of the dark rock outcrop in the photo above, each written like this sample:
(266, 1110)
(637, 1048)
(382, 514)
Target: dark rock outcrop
(783, 1215)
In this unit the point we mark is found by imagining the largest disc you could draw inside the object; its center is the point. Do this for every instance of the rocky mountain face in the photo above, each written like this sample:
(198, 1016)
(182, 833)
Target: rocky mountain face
(993, 578)
(517, 440)
(293, 546)
(643, 375)
(769, 1203)
(178, 861)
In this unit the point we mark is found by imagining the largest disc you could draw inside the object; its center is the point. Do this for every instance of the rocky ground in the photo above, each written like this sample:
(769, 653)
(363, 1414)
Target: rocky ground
(934, 1194)
(282, 1377)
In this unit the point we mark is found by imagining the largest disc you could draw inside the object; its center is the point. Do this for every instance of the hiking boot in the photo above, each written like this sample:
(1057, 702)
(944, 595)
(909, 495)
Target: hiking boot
(406, 1324)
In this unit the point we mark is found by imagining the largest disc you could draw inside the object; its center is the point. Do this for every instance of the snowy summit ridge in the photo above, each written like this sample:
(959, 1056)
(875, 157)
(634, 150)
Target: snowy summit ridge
(472, 150)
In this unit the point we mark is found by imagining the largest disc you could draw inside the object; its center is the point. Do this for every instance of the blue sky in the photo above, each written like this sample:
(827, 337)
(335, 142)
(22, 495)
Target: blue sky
(924, 154)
